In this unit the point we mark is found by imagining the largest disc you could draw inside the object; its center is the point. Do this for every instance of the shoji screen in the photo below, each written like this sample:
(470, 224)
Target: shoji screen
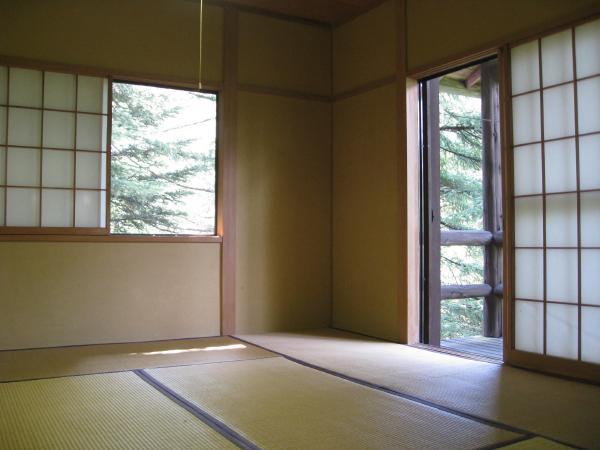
(53, 147)
(555, 86)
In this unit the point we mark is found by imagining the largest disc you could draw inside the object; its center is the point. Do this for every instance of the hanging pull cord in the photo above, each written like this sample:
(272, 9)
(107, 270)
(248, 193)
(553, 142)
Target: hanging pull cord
(200, 51)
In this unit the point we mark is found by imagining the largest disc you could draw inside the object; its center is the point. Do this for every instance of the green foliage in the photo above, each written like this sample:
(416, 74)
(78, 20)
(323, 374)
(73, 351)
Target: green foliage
(152, 171)
(461, 204)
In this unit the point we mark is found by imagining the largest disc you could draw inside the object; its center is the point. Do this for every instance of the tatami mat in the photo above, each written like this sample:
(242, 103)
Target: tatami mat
(548, 406)
(118, 411)
(536, 444)
(279, 404)
(57, 362)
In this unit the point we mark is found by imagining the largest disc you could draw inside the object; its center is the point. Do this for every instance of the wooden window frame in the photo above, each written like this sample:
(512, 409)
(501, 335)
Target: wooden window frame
(103, 234)
(433, 238)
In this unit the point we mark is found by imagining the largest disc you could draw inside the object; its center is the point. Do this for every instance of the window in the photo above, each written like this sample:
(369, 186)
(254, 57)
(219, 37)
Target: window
(162, 160)
(555, 93)
(59, 175)
(53, 134)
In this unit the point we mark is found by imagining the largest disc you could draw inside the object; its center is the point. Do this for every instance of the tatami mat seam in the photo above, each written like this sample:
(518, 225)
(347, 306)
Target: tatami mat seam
(202, 415)
(138, 368)
(410, 397)
(506, 443)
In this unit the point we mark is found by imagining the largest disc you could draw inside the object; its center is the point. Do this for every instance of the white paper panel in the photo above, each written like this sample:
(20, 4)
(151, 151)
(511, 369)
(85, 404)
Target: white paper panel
(91, 132)
(529, 222)
(525, 67)
(527, 162)
(562, 335)
(561, 166)
(2, 194)
(92, 94)
(23, 167)
(25, 87)
(557, 58)
(587, 45)
(562, 276)
(59, 91)
(22, 207)
(559, 112)
(24, 127)
(529, 274)
(59, 129)
(2, 125)
(590, 334)
(57, 170)
(88, 209)
(588, 99)
(91, 170)
(590, 219)
(526, 119)
(590, 272)
(3, 84)
(561, 220)
(589, 162)
(529, 327)
(57, 208)
(2, 165)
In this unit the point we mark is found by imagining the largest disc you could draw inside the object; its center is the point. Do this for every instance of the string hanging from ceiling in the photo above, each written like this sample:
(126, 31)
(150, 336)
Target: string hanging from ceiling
(200, 50)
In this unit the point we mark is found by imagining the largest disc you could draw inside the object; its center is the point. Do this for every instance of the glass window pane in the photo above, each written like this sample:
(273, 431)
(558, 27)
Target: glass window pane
(529, 274)
(57, 208)
(163, 160)
(590, 219)
(59, 91)
(588, 101)
(562, 334)
(587, 47)
(526, 119)
(2, 197)
(2, 165)
(91, 132)
(590, 334)
(2, 125)
(461, 265)
(59, 129)
(3, 84)
(57, 170)
(557, 58)
(525, 67)
(527, 162)
(529, 326)
(89, 208)
(24, 127)
(92, 94)
(23, 167)
(22, 207)
(562, 275)
(561, 166)
(561, 220)
(91, 170)
(590, 270)
(589, 162)
(559, 112)
(529, 222)
(25, 87)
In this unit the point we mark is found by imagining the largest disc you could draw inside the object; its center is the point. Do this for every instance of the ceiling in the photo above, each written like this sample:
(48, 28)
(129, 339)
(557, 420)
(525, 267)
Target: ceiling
(325, 11)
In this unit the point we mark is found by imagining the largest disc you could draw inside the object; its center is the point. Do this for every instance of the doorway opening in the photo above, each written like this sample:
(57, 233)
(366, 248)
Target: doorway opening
(461, 203)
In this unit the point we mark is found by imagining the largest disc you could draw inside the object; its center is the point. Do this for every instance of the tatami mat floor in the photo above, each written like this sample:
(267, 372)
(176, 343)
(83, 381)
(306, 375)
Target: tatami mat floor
(239, 395)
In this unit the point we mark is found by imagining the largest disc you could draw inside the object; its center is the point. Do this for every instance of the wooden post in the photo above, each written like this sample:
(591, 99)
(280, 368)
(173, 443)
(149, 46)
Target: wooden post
(492, 189)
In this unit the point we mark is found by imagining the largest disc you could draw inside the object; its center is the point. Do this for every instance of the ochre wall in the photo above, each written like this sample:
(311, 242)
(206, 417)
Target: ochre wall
(283, 214)
(77, 293)
(365, 177)
(82, 293)
(437, 30)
